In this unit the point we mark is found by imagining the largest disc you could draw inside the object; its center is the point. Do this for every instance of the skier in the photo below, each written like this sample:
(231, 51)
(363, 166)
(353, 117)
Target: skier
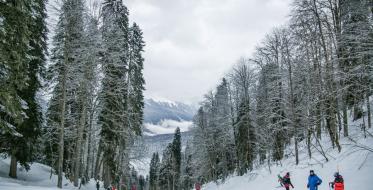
(286, 181)
(98, 185)
(338, 183)
(313, 181)
(197, 186)
(133, 186)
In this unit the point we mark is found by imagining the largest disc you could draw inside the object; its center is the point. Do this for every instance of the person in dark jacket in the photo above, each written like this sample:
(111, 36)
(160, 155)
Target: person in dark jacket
(338, 183)
(313, 181)
(287, 182)
(97, 185)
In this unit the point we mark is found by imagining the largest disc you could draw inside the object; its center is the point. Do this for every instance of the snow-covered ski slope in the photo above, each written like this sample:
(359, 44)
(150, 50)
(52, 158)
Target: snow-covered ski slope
(354, 163)
(38, 178)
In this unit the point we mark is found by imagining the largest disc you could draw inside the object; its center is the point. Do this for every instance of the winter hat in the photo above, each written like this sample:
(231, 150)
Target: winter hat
(336, 174)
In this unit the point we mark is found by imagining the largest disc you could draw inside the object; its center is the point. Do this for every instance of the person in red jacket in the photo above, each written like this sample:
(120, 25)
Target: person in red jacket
(133, 187)
(197, 186)
(338, 183)
(286, 181)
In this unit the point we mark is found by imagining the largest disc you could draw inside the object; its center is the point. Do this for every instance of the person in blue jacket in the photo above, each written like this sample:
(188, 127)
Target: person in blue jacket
(313, 181)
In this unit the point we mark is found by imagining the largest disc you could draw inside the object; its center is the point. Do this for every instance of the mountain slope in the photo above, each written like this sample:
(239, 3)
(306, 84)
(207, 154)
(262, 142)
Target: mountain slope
(354, 163)
(163, 117)
(157, 110)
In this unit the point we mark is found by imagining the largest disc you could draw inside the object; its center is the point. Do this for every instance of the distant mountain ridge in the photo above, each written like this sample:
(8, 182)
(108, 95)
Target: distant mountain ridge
(156, 111)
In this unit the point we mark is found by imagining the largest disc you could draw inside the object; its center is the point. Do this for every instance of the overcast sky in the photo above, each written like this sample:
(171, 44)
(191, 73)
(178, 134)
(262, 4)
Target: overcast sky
(190, 44)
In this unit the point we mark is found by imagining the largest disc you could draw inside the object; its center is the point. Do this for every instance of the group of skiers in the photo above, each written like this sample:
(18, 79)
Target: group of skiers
(314, 181)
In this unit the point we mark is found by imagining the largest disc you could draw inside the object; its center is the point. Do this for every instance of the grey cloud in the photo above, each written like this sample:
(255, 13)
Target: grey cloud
(192, 43)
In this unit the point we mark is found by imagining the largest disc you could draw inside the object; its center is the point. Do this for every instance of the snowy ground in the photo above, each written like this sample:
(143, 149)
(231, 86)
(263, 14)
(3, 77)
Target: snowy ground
(36, 179)
(355, 164)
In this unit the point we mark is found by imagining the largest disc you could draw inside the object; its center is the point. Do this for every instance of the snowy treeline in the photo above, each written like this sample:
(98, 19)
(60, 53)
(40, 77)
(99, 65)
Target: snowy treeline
(166, 173)
(94, 81)
(299, 82)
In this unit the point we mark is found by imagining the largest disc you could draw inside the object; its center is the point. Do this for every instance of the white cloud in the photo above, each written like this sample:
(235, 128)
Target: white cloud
(167, 127)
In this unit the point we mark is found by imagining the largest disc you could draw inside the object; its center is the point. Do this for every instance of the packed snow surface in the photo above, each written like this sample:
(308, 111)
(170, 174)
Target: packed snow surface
(38, 178)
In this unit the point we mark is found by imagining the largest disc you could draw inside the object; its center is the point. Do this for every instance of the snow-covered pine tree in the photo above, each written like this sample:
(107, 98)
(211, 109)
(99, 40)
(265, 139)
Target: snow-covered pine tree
(64, 75)
(242, 79)
(14, 58)
(245, 138)
(22, 52)
(186, 180)
(154, 172)
(355, 43)
(117, 133)
(176, 159)
(135, 79)
(201, 147)
(166, 169)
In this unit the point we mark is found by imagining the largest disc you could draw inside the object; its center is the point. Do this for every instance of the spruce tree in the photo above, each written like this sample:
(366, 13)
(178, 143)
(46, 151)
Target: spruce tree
(114, 117)
(14, 59)
(245, 139)
(154, 172)
(176, 159)
(135, 79)
(22, 60)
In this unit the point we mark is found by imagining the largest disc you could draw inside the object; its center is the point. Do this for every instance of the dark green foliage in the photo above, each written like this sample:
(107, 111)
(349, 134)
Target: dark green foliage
(136, 78)
(245, 138)
(355, 43)
(154, 172)
(176, 155)
(123, 85)
(170, 167)
(22, 60)
(187, 177)
(166, 169)
(15, 38)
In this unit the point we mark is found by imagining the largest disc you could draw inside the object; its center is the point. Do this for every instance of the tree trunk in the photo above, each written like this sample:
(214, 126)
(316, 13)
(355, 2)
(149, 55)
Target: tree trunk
(13, 166)
(339, 118)
(89, 146)
(106, 174)
(345, 119)
(62, 127)
(79, 144)
(368, 111)
(98, 163)
(309, 134)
